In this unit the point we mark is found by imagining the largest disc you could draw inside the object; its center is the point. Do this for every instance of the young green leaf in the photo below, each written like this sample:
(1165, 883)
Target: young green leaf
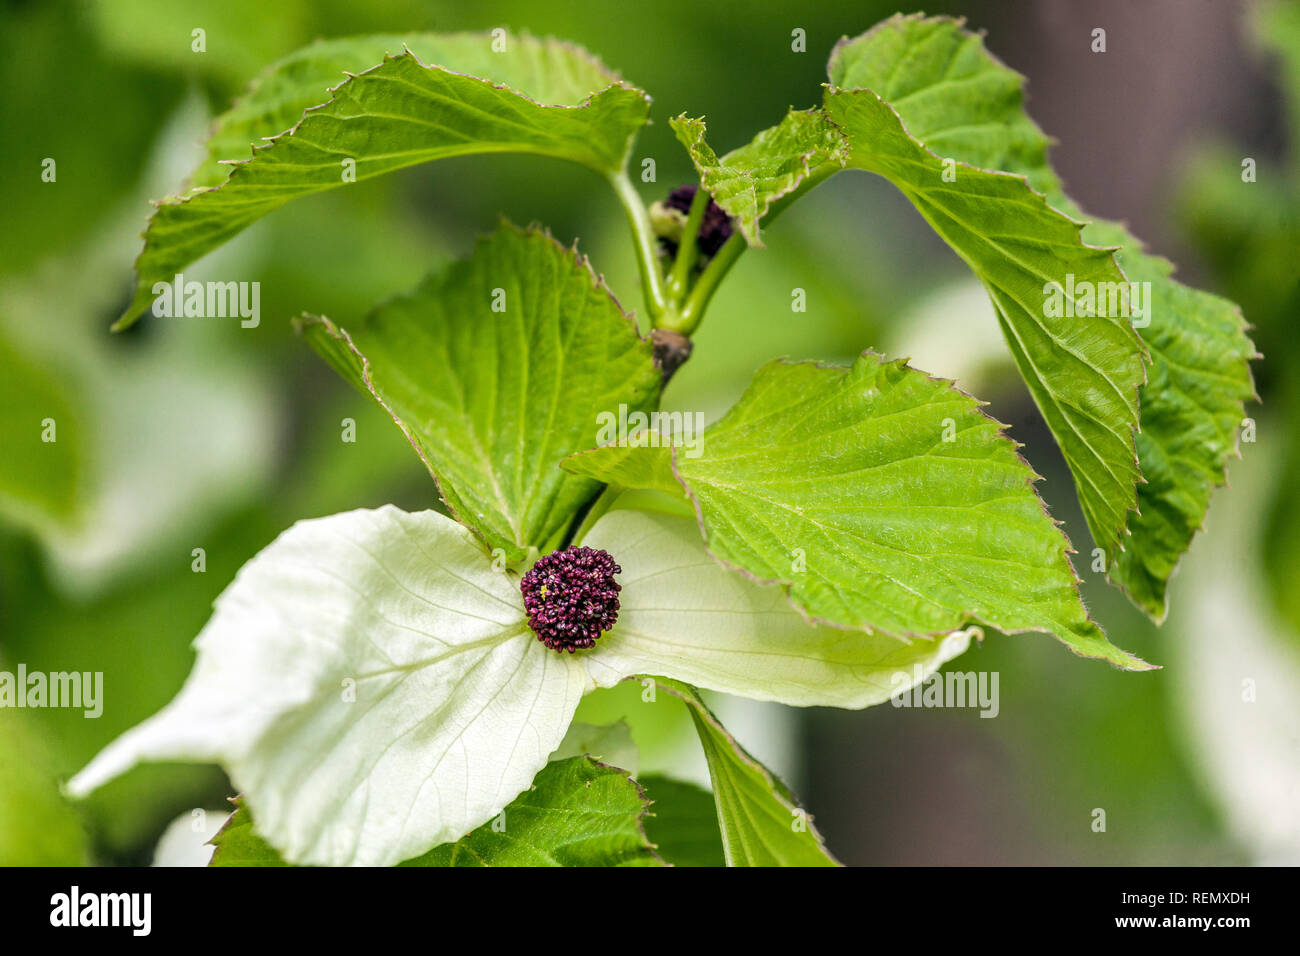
(578, 813)
(799, 150)
(396, 114)
(761, 822)
(964, 104)
(682, 822)
(496, 369)
(879, 498)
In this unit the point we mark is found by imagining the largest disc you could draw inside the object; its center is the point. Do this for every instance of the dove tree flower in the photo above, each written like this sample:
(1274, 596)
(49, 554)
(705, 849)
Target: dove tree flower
(381, 685)
(458, 705)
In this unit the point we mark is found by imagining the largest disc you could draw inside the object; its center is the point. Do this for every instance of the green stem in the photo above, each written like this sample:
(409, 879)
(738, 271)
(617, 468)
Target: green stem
(598, 510)
(688, 249)
(693, 311)
(689, 315)
(643, 238)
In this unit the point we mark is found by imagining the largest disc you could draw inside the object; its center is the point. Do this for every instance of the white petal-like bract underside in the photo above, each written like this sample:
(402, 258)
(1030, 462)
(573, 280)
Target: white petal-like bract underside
(683, 615)
(371, 686)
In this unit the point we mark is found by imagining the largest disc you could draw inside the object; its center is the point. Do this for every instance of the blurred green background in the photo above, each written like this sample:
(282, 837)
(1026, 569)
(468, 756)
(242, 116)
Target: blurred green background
(190, 434)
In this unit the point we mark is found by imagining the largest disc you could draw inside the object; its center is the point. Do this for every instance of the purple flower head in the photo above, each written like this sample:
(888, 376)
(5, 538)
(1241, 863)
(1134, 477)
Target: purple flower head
(571, 597)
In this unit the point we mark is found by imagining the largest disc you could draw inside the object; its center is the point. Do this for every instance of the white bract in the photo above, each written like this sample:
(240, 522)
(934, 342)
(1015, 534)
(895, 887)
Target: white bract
(371, 685)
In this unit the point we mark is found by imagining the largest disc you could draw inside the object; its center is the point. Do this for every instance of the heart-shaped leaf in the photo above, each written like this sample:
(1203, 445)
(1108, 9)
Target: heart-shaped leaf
(496, 369)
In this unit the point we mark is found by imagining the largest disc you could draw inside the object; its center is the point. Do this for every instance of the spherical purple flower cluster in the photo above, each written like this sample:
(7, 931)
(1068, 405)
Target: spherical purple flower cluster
(714, 230)
(571, 597)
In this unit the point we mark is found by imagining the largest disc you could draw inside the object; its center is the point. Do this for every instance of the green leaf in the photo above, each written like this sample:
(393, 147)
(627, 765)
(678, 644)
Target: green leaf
(949, 92)
(1192, 407)
(544, 71)
(1083, 371)
(278, 96)
(682, 823)
(578, 813)
(761, 822)
(493, 400)
(237, 843)
(396, 114)
(37, 826)
(42, 483)
(801, 149)
(963, 103)
(879, 498)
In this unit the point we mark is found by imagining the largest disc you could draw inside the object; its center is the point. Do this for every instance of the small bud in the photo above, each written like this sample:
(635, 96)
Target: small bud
(667, 224)
(715, 230)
